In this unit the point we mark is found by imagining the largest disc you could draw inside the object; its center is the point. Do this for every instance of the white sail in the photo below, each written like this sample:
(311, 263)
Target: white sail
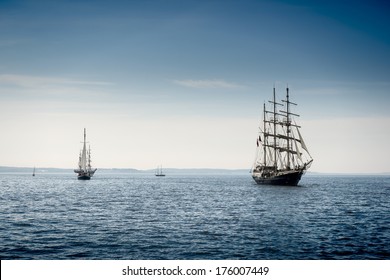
(84, 158)
(298, 152)
(303, 145)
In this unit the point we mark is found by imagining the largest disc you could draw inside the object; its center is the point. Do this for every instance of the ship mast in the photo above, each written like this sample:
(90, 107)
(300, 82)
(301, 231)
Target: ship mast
(264, 136)
(89, 158)
(288, 128)
(275, 122)
(288, 125)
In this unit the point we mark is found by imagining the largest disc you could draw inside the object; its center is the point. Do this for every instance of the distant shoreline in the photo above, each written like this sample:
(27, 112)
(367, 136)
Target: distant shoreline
(9, 169)
(190, 171)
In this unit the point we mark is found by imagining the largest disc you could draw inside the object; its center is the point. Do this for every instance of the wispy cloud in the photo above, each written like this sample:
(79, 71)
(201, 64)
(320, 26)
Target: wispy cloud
(211, 84)
(42, 81)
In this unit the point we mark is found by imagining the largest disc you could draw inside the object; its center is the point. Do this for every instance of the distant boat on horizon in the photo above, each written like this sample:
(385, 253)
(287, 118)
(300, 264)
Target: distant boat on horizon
(281, 156)
(159, 172)
(33, 171)
(85, 171)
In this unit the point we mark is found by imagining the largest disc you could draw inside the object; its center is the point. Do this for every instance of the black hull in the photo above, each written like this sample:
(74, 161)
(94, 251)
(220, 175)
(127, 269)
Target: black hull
(289, 179)
(84, 177)
(81, 175)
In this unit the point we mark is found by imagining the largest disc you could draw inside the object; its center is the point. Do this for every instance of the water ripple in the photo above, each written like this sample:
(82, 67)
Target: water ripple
(193, 217)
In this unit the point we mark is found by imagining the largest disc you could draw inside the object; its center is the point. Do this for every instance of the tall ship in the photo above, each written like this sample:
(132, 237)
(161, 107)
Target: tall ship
(159, 172)
(85, 170)
(282, 156)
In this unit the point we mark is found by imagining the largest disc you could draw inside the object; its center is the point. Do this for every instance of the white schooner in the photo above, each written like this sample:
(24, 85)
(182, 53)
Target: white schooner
(85, 171)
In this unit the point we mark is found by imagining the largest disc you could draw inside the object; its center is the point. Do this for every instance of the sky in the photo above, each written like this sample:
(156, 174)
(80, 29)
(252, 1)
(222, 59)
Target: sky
(182, 83)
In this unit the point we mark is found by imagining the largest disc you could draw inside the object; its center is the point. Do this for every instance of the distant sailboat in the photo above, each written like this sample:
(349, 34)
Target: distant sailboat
(85, 171)
(159, 172)
(34, 171)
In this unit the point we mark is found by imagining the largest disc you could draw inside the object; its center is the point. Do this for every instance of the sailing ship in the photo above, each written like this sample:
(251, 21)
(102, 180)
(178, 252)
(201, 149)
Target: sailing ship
(85, 171)
(159, 172)
(33, 172)
(282, 156)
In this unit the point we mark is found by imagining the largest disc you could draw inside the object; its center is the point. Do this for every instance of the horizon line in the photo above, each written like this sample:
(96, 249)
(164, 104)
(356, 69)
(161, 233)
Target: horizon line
(199, 168)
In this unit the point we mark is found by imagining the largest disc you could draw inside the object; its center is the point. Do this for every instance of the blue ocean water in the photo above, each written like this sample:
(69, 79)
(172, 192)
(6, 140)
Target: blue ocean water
(55, 216)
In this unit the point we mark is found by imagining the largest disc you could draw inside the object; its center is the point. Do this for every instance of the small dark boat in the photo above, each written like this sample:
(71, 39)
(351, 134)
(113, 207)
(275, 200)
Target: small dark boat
(159, 172)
